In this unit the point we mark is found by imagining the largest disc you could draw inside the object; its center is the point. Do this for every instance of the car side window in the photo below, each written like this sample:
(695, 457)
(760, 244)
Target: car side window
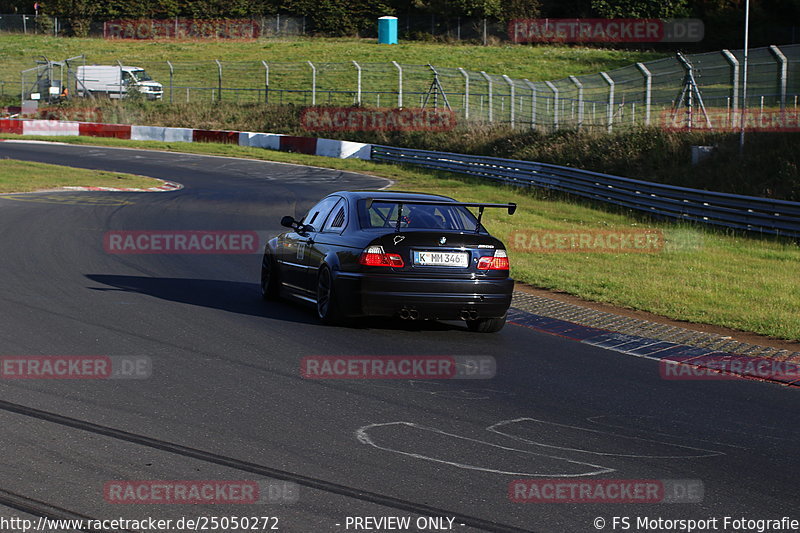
(338, 218)
(317, 214)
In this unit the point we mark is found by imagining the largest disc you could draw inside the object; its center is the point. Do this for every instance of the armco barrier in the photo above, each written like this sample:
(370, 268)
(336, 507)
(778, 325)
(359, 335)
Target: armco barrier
(750, 213)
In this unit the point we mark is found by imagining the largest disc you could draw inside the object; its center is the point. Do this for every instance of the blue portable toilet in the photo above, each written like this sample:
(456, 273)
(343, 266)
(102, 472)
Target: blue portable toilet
(387, 30)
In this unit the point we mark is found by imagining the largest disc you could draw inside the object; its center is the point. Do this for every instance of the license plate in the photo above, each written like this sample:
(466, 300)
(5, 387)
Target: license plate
(447, 259)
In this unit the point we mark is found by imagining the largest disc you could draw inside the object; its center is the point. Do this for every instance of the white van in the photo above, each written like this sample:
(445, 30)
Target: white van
(115, 81)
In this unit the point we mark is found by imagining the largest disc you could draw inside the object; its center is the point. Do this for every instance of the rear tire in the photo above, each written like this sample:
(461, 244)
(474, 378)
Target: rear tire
(487, 325)
(327, 301)
(270, 283)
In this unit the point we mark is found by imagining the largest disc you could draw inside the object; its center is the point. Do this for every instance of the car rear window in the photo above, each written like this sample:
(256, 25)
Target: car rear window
(384, 215)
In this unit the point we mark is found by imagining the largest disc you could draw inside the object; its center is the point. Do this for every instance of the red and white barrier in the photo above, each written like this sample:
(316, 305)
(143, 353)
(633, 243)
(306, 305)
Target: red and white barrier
(158, 133)
(270, 141)
(343, 149)
(50, 127)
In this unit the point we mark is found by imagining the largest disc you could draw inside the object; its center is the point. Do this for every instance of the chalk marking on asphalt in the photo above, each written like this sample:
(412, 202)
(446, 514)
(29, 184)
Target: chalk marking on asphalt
(493, 428)
(364, 438)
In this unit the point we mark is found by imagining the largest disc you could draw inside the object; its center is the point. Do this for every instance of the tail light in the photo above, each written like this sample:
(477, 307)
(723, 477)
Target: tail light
(375, 256)
(497, 262)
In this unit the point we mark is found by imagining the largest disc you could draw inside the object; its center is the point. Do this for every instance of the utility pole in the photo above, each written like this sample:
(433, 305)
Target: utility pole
(744, 74)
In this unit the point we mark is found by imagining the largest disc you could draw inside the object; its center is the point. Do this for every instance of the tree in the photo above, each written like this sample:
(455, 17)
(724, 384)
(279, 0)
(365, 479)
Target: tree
(16, 6)
(339, 17)
(647, 9)
(79, 13)
(520, 9)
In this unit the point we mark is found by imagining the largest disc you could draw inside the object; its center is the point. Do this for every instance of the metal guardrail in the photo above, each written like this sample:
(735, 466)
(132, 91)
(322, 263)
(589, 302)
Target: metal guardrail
(749, 213)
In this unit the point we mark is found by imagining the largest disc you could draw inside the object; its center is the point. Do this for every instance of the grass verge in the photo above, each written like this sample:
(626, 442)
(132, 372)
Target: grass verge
(702, 275)
(26, 176)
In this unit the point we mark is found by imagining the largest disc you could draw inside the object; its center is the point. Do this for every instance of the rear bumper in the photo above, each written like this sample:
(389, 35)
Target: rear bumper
(439, 298)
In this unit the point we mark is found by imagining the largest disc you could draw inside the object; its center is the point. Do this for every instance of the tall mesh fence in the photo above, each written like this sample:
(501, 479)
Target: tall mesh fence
(655, 92)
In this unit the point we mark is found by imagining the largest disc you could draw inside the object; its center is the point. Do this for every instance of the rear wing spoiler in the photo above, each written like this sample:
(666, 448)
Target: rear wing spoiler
(511, 207)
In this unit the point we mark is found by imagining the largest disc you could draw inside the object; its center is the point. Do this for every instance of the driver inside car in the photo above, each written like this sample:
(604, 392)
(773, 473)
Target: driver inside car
(425, 217)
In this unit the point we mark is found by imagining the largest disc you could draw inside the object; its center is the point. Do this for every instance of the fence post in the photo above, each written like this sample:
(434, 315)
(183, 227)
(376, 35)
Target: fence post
(532, 87)
(734, 83)
(510, 83)
(313, 83)
(579, 85)
(648, 87)
(783, 70)
(266, 81)
(358, 94)
(399, 83)
(120, 80)
(555, 103)
(171, 74)
(489, 82)
(610, 83)
(466, 92)
(219, 78)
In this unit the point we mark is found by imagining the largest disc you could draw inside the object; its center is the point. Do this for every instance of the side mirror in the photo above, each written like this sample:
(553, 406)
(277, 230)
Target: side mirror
(288, 222)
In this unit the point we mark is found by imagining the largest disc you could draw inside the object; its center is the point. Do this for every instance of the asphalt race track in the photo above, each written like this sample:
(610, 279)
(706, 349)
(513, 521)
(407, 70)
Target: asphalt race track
(226, 401)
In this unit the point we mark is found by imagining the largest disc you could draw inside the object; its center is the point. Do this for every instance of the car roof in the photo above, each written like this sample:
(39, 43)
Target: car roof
(386, 195)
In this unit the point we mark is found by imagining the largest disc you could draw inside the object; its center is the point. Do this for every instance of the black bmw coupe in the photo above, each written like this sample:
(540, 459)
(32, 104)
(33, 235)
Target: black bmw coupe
(409, 255)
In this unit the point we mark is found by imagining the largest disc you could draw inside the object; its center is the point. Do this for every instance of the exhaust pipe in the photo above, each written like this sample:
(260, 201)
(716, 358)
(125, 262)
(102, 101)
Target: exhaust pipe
(469, 314)
(409, 314)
